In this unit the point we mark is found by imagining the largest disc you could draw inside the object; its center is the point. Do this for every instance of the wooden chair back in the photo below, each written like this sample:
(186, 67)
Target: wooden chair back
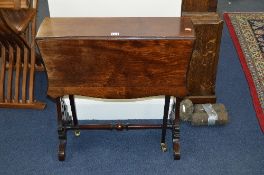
(18, 57)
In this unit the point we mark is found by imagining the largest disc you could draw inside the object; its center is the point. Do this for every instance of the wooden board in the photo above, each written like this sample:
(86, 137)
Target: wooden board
(203, 66)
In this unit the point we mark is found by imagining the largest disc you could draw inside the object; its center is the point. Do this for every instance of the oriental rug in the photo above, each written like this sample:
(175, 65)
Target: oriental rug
(247, 32)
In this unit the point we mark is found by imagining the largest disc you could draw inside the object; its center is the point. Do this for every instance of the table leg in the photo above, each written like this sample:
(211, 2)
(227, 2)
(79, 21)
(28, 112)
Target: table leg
(62, 145)
(74, 115)
(62, 131)
(176, 130)
(164, 125)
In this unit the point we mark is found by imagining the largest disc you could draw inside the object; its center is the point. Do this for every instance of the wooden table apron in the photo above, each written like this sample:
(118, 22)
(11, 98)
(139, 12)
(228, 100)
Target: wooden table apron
(145, 57)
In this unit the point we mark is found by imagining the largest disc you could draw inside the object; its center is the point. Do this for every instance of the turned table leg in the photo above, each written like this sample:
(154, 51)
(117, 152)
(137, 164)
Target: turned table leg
(176, 130)
(63, 121)
(62, 145)
(74, 115)
(164, 124)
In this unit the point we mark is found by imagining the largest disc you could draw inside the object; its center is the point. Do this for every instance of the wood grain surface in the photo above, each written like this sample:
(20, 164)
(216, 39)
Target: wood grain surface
(199, 5)
(14, 3)
(127, 27)
(129, 66)
(201, 78)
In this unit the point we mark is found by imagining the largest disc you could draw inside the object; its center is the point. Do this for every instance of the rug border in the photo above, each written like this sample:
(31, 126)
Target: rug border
(242, 59)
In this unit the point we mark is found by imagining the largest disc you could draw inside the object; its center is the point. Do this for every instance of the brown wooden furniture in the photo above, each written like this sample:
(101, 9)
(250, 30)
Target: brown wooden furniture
(117, 58)
(203, 67)
(18, 56)
(199, 5)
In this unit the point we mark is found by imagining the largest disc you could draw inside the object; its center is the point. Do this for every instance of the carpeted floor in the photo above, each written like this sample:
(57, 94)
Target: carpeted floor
(29, 139)
(247, 33)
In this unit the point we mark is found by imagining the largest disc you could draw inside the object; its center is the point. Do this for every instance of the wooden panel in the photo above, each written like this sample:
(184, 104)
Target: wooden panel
(199, 5)
(204, 61)
(116, 68)
(149, 57)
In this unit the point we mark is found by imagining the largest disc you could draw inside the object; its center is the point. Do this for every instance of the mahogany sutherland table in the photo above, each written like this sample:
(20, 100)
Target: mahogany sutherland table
(116, 58)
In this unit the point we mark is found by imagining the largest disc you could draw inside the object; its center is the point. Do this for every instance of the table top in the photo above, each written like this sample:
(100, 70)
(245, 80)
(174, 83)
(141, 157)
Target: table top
(117, 28)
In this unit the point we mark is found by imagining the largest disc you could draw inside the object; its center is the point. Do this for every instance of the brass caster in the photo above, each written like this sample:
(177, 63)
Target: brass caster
(61, 151)
(61, 155)
(176, 156)
(77, 133)
(163, 147)
(176, 151)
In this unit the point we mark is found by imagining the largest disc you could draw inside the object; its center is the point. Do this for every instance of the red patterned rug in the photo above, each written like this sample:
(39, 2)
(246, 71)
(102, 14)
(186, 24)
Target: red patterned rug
(247, 32)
